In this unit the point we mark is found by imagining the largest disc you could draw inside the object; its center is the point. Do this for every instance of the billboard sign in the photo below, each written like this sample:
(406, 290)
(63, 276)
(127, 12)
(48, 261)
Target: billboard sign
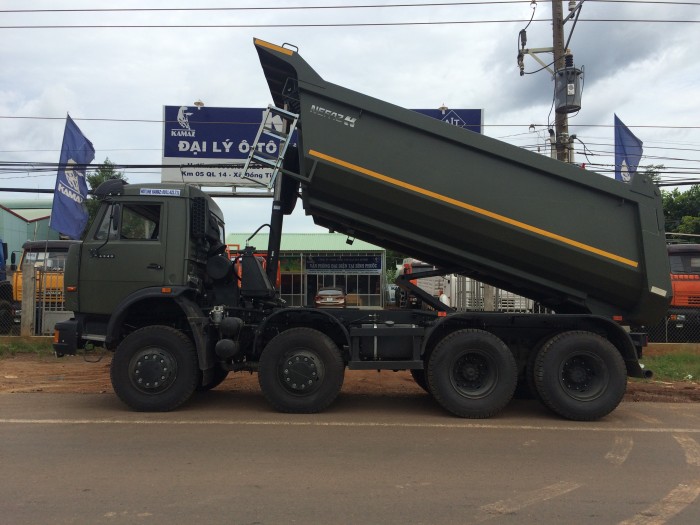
(209, 145)
(471, 119)
(350, 264)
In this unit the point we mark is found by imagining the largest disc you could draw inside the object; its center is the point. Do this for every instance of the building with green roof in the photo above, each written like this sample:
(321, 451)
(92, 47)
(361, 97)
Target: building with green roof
(310, 261)
(25, 220)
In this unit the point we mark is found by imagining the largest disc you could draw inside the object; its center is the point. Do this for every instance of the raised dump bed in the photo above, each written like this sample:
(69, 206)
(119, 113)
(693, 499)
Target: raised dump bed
(572, 239)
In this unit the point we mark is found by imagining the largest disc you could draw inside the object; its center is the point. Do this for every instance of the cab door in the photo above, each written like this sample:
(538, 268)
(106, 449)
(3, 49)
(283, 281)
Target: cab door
(123, 253)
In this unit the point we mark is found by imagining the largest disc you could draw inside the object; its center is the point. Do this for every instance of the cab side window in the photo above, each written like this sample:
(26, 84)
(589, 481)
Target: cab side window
(108, 222)
(130, 221)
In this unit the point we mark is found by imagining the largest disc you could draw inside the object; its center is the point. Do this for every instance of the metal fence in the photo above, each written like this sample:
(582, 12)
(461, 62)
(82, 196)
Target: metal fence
(7, 312)
(49, 306)
(676, 329)
(471, 295)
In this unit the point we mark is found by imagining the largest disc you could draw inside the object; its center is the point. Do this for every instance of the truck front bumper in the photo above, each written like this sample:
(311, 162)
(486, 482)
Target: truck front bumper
(66, 337)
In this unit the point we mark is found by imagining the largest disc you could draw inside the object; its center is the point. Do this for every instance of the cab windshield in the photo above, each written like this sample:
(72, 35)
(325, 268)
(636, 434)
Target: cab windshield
(686, 263)
(51, 260)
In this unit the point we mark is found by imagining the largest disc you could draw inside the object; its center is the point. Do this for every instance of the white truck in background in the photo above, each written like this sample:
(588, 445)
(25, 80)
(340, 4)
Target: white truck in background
(460, 292)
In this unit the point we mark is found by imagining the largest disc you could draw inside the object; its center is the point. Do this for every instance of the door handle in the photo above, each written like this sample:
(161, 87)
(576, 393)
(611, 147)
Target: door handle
(154, 266)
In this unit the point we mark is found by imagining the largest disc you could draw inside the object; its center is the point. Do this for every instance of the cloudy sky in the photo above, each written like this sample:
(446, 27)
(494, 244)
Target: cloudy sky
(114, 64)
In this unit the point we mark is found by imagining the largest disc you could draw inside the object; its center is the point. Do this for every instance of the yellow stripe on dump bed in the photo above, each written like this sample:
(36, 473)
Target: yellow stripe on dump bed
(274, 47)
(475, 209)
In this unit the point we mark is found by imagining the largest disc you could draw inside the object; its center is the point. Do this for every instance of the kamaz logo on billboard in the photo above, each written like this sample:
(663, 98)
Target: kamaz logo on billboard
(183, 120)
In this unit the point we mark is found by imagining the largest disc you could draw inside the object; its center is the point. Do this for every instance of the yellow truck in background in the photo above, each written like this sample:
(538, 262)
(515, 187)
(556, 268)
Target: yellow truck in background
(49, 259)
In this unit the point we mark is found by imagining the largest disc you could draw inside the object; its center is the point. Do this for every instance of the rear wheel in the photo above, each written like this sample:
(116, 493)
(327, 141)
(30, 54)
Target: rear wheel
(472, 373)
(301, 370)
(155, 369)
(580, 375)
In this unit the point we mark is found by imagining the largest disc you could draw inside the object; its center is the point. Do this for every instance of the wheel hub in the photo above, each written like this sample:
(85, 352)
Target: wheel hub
(300, 372)
(577, 375)
(471, 372)
(153, 370)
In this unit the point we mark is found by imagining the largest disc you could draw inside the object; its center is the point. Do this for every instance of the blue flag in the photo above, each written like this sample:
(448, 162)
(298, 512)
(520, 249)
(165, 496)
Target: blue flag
(628, 152)
(68, 213)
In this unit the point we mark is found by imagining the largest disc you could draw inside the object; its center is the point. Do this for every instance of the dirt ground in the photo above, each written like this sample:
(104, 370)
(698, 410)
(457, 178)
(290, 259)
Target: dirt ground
(90, 375)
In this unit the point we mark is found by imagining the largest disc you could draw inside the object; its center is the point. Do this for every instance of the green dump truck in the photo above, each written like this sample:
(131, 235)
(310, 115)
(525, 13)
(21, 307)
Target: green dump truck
(152, 284)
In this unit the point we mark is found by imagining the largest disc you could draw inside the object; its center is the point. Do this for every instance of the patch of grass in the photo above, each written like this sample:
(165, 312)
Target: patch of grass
(680, 366)
(10, 346)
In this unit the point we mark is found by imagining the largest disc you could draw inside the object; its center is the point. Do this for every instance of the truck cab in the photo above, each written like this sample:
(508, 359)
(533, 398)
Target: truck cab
(147, 249)
(683, 320)
(48, 260)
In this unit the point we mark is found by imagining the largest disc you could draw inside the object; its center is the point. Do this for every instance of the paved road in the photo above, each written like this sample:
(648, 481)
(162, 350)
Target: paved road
(227, 458)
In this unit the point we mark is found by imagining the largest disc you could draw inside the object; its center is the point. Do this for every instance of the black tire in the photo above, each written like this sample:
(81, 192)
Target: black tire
(301, 371)
(421, 379)
(580, 375)
(218, 376)
(155, 369)
(527, 389)
(472, 373)
(6, 317)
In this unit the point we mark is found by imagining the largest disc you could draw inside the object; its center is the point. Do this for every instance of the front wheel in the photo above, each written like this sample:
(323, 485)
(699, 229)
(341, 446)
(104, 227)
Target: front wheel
(580, 375)
(472, 373)
(155, 369)
(301, 371)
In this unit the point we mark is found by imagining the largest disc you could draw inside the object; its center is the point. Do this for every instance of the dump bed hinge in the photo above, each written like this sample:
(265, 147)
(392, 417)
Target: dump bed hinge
(277, 125)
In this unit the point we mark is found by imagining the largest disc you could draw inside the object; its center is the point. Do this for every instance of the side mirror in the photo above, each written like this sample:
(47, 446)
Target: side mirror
(114, 218)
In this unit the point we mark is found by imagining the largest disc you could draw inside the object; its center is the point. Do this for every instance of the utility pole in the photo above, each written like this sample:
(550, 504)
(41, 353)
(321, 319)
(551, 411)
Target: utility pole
(561, 122)
(567, 77)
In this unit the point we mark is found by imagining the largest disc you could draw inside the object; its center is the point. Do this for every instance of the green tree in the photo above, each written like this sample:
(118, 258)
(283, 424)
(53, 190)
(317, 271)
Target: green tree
(392, 259)
(682, 210)
(654, 171)
(106, 170)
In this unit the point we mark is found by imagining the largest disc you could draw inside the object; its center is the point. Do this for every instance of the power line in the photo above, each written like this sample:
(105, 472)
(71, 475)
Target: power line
(22, 117)
(318, 7)
(337, 24)
(261, 8)
(651, 2)
(49, 167)
(160, 121)
(260, 26)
